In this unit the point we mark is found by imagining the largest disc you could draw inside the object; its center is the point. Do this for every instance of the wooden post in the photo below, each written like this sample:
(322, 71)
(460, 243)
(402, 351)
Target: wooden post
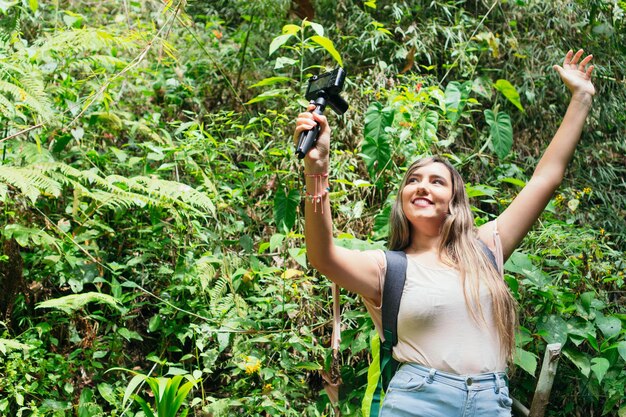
(546, 379)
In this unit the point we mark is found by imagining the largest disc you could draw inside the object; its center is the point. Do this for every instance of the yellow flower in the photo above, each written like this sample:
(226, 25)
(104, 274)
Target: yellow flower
(252, 365)
(602, 231)
(267, 388)
(247, 277)
(587, 190)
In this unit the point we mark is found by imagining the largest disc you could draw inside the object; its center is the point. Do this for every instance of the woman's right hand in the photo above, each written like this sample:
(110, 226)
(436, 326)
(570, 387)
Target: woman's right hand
(576, 73)
(318, 155)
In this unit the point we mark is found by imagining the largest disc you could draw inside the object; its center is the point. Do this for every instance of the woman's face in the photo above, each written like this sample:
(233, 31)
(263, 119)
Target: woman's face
(427, 194)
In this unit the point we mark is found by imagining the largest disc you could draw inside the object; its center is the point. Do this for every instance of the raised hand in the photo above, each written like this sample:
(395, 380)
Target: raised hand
(576, 74)
(318, 155)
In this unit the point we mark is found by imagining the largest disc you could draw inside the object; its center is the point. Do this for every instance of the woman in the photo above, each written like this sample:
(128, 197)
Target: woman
(456, 323)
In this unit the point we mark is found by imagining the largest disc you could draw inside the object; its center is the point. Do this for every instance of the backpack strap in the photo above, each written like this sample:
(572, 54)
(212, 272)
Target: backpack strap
(392, 295)
(489, 254)
(498, 244)
(496, 258)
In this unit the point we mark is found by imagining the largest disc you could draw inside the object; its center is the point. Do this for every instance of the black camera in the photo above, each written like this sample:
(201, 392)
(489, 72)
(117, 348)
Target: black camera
(323, 89)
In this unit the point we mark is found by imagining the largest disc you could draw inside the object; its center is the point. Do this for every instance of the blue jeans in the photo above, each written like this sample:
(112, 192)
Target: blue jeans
(416, 391)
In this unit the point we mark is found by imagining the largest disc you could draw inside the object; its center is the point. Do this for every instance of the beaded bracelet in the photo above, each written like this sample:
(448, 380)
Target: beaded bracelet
(320, 192)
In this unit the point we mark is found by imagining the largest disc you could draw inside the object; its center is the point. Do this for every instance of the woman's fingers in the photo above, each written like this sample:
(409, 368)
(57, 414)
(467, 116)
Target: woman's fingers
(568, 57)
(576, 57)
(584, 62)
(591, 67)
(302, 124)
(307, 121)
(572, 61)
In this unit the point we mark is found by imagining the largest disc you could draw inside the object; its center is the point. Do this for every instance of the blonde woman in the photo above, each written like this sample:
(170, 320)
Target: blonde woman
(457, 318)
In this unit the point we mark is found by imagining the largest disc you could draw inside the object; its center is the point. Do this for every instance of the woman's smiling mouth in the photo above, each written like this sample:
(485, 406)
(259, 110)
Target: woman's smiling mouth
(421, 202)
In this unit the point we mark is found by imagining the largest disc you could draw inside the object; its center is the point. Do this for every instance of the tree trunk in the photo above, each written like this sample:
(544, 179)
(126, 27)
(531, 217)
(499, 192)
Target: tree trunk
(11, 278)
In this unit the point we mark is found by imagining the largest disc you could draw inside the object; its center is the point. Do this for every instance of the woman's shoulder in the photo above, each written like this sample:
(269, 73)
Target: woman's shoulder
(379, 256)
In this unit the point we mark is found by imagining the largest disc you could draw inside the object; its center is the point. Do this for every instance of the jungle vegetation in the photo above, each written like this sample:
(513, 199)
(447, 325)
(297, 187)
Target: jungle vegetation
(151, 226)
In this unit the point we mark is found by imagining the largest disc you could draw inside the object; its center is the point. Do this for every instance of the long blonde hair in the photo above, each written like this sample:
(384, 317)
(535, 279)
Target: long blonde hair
(459, 243)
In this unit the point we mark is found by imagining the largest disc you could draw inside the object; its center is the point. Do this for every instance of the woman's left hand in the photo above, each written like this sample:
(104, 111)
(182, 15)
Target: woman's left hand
(577, 75)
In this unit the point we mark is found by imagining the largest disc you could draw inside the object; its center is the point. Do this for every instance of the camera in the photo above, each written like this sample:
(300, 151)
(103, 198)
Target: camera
(323, 89)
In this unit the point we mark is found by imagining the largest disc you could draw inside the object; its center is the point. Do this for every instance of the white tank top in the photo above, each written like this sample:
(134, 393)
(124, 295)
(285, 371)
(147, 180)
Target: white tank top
(435, 328)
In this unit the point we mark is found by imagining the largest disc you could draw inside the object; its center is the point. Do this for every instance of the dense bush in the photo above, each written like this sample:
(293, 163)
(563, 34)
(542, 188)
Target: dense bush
(152, 205)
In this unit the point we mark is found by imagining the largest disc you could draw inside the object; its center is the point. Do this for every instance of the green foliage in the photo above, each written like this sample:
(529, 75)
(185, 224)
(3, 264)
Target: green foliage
(168, 394)
(153, 194)
(70, 303)
(500, 132)
(376, 146)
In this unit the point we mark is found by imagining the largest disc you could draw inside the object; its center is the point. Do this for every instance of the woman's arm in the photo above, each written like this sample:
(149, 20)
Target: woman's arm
(351, 269)
(515, 222)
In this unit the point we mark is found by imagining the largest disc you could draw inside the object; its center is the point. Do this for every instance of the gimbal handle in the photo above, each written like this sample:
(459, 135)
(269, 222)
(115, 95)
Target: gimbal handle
(309, 137)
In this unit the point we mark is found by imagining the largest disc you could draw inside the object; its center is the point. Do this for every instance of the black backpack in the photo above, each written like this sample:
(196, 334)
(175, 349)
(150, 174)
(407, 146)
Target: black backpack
(392, 294)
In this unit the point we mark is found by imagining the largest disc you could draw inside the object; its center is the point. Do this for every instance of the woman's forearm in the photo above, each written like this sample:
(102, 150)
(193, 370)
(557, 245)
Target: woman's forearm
(318, 226)
(552, 165)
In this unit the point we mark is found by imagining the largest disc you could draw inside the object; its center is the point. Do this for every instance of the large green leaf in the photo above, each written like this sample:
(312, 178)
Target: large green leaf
(610, 326)
(279, 41)
(500, 132)
(428, 125)
(271, 81)
(276, 93)
(621, 348)
(483, 87)
(381, 223)
(455, 97)
(373, 375)
(520, 263)
(317, 28)
(508, 91)
(453, 101)
(554, 328)
(599, 366)
(285, 205)
(526, 360)
(580, 360)
(327, 44)
(376, 147)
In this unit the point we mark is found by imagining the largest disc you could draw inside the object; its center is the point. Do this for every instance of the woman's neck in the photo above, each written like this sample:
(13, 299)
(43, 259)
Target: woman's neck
(422, 243)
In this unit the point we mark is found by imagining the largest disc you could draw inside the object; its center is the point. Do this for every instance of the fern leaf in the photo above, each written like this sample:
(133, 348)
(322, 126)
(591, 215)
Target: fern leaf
(33, 97)
(30, 182)
(81, 40)
(7, 345)
(241, 305)
(205, 272)
(223, 305)
(3, 191)
(70, 303)
(7, 109)
(216, 295)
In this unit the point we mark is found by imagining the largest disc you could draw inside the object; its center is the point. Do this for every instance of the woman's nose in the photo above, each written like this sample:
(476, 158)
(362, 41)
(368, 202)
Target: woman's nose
(420, 188)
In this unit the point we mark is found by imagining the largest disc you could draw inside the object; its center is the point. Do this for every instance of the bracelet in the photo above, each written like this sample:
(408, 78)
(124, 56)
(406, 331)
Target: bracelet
(320, 192)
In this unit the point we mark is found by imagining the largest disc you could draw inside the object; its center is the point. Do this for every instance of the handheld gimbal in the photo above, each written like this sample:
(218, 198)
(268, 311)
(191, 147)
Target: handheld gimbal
(322, 89)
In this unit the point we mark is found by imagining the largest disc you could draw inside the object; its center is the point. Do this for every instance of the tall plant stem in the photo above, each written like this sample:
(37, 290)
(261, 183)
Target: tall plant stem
(243, 53)
(221, 71)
